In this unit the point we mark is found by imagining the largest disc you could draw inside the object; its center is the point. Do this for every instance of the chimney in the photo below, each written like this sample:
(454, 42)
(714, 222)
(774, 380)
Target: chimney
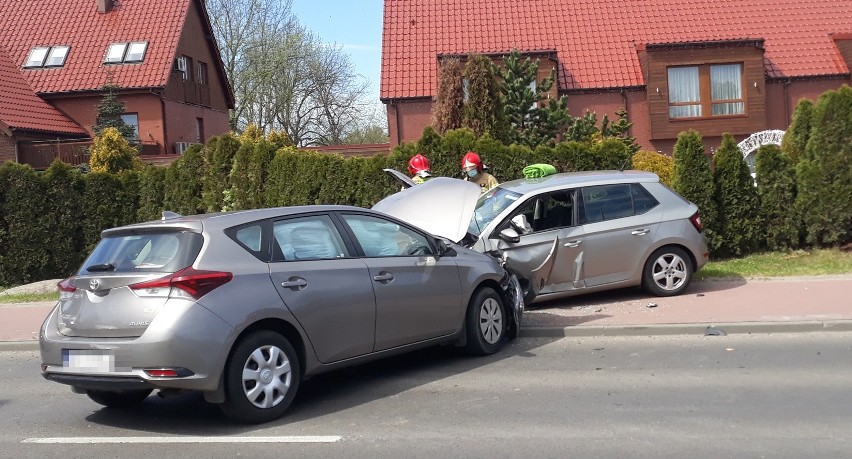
(104, 6)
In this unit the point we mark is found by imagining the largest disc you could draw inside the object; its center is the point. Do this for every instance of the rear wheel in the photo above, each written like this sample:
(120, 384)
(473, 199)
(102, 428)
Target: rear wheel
(485, 323)
(261, 378)
(124, 399)
(667, 271)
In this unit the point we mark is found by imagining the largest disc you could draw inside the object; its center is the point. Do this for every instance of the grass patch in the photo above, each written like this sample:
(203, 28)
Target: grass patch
(29, 297)
(780, 264)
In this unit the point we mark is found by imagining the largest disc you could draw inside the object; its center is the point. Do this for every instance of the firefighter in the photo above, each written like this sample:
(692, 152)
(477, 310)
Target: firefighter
(418, 168)
(472, 168)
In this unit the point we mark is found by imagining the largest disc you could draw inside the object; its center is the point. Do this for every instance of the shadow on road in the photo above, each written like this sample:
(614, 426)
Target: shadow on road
(189, 414)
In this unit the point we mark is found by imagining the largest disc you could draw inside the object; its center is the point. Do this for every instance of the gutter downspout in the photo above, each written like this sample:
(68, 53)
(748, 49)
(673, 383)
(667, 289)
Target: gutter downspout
(787, 101)
(396, 116)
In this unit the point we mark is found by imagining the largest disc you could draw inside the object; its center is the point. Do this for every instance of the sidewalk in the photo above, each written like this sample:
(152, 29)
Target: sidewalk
(730, 306)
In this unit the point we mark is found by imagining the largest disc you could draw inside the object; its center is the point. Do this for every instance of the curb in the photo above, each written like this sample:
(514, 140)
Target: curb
(730, 328)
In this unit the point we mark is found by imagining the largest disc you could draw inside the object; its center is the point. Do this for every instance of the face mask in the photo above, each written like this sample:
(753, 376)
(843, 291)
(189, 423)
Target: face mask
(471, 173)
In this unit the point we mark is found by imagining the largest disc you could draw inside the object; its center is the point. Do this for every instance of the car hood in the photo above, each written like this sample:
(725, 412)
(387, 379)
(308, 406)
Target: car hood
(442, 206)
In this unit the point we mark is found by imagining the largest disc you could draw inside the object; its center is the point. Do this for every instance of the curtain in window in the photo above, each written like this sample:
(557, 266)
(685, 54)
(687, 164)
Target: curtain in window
(726, 84)
(683, 87)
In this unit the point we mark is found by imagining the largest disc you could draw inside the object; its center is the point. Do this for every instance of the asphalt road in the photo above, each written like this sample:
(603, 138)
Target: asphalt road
(721, 396)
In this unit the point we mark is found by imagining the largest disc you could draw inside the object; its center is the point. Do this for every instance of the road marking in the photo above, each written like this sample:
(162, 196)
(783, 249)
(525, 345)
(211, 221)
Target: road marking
(189, 439)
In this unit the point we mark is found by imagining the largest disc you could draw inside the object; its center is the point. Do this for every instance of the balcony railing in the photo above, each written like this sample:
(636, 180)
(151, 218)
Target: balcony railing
(40, 154)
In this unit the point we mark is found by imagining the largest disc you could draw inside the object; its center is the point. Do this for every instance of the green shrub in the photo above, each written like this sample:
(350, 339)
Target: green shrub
(692, 179)
(651, 161)
(219, 153)
(776, 188)
(104, 200)
(110, 152)
(152, 183)
(63, 219)
(736, 198)
(25, 256)
(797, 134)
(825, 183)
(183, 185)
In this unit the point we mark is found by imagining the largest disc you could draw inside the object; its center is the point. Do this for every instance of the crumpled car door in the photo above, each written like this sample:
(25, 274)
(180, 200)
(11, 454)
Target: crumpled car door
(531, 259)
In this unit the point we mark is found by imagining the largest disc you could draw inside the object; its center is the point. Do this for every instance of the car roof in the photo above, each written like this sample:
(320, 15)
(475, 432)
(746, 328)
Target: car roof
(221, 220)
(574, 179)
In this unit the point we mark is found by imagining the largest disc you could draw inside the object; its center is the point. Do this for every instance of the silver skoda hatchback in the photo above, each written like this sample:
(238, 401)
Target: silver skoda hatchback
(570, 233)
(243, 306)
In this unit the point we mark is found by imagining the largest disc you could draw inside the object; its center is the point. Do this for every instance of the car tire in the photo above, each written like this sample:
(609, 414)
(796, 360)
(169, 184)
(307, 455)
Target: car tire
(485, 322)
(124, 399)
(262, 376)
(667, 271)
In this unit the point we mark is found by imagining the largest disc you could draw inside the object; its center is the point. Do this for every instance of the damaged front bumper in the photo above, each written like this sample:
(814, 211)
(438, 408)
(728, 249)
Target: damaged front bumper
(513, 297)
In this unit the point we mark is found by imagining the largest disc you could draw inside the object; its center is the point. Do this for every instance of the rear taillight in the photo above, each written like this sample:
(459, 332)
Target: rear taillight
(695, 219)
(187, 283)
(65, 289)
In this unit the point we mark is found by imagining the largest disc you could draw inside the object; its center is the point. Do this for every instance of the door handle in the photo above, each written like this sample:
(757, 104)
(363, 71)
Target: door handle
(383, 277)
(573, 243)
(295, 283)
(640, 232)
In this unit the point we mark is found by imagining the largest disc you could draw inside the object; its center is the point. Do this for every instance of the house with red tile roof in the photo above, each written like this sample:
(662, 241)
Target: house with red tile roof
(737, 66)
(56, 58)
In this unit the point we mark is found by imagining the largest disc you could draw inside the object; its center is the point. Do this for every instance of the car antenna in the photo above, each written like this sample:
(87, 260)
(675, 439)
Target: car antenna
(623, 165)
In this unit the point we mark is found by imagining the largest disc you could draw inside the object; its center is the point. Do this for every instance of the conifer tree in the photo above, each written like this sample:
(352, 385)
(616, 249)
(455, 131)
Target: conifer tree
(449, 103)
(693, 181)
(825, 175)
(796, 137)
(528, 123)
(776, 189)
(736, 198)
(109, 114)
(482, 110)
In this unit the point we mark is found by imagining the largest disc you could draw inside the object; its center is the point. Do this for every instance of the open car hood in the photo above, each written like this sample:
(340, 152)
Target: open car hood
(442, 206)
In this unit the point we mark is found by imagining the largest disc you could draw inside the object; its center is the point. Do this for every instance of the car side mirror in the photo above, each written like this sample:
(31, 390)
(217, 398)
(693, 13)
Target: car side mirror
(509, 235)
(443, 248)
(521, 224)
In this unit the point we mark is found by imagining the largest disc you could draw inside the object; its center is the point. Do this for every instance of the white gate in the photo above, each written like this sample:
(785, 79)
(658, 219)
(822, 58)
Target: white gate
(749, 146)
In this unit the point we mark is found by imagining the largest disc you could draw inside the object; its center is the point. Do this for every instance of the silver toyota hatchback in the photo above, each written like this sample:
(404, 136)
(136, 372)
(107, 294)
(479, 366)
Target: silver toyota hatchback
(569, 233)
(243, 306)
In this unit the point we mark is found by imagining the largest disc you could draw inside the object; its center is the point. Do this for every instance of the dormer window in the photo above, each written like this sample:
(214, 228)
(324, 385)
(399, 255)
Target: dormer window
(125, 53)
(47, 56)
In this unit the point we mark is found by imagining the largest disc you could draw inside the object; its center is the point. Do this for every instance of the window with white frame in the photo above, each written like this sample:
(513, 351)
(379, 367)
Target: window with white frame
(132, 120)
(47, 56)
(702, 91)
(126, 52)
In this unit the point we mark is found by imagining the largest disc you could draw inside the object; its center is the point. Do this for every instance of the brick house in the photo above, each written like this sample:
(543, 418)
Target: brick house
(737, 66)
(56, 57)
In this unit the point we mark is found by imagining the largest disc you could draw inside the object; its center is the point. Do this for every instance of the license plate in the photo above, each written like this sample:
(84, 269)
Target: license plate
(100, 361)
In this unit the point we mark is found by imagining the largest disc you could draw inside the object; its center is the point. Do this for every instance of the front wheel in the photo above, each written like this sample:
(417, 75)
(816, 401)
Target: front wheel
(485, 323)
(261, 378)
(667, 271)
(125, 399)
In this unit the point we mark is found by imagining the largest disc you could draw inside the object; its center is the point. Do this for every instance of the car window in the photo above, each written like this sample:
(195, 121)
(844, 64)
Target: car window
(308, 238)
(383, 238)
(489, 206)
(643, 201)
(547, 212)
(159, 252)
(606, 202)
(250, 236)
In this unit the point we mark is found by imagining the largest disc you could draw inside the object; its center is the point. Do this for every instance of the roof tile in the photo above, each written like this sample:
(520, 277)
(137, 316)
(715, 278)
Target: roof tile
(21, 108)
(596, 41)
(25, 24)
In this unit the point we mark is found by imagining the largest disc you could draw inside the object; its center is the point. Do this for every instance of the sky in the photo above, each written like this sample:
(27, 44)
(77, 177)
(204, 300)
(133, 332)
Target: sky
(354, 25)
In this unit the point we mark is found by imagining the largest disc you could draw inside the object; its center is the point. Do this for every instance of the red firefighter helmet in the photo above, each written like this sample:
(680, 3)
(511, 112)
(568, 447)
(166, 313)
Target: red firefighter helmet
(418, 163)
(471, 159)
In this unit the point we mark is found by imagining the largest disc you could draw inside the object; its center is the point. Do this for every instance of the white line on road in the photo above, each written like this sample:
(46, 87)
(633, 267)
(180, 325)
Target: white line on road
(100, 440)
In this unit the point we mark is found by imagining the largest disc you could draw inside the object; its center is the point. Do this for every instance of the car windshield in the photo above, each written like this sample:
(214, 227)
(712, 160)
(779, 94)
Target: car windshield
(489, 206)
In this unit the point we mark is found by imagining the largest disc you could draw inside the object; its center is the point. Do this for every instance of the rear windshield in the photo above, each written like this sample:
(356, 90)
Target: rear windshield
(150, 252)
